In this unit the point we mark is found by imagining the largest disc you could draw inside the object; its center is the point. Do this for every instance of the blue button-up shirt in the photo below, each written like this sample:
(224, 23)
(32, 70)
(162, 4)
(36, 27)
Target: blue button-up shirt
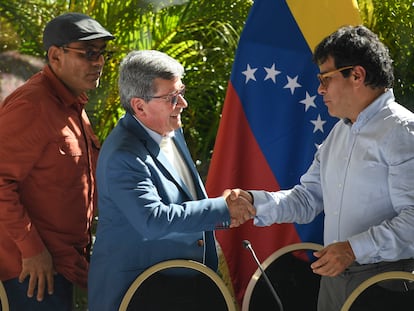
(362, 177)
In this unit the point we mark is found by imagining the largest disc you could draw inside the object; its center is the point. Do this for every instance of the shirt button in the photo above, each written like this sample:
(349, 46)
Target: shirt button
(200, 243)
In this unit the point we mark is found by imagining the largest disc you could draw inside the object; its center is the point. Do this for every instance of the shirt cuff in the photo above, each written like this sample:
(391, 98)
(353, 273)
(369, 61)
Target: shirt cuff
(265, 208)
(362, 246)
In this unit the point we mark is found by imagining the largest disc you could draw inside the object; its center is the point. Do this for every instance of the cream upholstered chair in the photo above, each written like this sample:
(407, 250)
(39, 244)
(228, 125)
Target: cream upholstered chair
(290, 274)
(4, 302)
(179, 263)
(385, 276)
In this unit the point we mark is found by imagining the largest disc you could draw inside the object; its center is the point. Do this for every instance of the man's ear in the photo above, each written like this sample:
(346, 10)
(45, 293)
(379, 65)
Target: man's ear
(359, 74)
(54, 54)
(137, 105)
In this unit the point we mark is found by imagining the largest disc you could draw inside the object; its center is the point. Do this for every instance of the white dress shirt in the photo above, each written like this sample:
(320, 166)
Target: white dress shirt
(362, 177)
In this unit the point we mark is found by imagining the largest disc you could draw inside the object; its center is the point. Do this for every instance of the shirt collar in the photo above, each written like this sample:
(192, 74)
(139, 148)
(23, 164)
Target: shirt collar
(62, 92)
(365, 115)
(154, 135)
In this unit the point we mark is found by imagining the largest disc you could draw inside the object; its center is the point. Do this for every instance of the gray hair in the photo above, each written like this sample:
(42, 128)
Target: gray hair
(139, 69)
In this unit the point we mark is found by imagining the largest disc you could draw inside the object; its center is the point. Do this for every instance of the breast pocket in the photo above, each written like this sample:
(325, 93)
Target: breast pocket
(70, 147)
(72, 158)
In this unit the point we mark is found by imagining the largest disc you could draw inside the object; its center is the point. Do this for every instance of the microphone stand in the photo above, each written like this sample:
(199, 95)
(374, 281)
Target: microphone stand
(248, 246)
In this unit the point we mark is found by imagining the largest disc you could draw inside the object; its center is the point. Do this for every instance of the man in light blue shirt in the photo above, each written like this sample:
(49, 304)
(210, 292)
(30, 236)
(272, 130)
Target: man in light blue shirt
(362, 176)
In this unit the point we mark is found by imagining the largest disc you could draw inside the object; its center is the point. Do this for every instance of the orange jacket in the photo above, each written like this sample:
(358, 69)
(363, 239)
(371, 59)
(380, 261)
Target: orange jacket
(48, 156)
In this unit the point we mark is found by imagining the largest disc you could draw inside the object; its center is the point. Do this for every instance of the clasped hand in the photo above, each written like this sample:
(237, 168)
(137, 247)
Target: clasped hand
(240, 206)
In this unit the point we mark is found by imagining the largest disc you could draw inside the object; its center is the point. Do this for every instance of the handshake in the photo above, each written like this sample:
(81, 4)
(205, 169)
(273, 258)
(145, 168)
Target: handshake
(240, 205)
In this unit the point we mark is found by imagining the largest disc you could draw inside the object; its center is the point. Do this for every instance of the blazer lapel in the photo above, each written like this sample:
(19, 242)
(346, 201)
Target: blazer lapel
(171, 171)
(185, 153)
(164, 164)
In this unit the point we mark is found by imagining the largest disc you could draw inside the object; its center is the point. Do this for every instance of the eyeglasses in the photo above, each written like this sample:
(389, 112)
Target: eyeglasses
(90, 55)
(324, 77)
(172, 98)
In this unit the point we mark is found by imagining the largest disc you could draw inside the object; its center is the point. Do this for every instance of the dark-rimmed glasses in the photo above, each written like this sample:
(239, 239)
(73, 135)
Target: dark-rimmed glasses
(90, 54)
(324, 77)
(172, 98)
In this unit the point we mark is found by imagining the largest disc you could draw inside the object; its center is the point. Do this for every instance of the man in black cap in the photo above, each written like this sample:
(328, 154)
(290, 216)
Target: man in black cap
(47, 169)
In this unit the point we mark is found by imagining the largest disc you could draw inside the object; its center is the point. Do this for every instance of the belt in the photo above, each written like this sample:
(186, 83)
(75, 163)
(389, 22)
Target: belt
(396, 285)
(384, 266)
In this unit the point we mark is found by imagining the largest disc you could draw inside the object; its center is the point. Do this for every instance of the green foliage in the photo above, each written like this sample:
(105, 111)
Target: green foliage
(203, 36)
(393, 21)
(27, 19)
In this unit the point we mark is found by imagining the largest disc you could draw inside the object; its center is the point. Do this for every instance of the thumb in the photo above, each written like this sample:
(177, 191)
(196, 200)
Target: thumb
(234, 194)
(226, 193)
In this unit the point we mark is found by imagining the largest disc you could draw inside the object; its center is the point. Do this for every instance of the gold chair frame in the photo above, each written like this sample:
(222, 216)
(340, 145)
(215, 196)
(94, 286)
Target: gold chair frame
(178, 263)
(3, 298)
(391, 275)
(269, 260)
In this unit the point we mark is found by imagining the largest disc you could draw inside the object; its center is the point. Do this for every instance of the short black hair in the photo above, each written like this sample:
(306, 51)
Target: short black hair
(357, 45)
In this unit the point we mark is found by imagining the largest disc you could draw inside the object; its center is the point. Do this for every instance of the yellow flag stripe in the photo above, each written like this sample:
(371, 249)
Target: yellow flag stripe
(319, 18)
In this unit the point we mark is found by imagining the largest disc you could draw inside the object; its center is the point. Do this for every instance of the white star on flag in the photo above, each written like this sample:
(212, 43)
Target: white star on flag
(271, 73)
(309, 101)
(318, 123)
(249, 73)
(292, 84)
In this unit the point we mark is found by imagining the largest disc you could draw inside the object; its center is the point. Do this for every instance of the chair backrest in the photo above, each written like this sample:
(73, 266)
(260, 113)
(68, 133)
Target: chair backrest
(385, 276)
(3, 298)
(179, 263)
(289, 271)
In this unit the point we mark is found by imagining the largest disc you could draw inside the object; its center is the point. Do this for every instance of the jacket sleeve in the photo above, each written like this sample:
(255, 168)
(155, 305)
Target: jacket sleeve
(21, 140)
(151, 200)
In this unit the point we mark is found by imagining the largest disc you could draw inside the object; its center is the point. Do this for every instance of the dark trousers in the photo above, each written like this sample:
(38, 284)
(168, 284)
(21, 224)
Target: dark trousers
(176, 293)
(60, 300)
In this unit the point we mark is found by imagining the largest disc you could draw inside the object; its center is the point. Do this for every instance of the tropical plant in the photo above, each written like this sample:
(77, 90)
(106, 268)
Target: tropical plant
(22, 24)
(203, 36)
(393, 21)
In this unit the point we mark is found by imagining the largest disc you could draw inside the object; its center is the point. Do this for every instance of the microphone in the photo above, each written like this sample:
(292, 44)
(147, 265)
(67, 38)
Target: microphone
(248, 245)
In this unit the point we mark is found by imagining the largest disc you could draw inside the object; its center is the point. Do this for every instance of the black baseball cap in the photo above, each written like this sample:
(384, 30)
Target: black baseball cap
(71, 27)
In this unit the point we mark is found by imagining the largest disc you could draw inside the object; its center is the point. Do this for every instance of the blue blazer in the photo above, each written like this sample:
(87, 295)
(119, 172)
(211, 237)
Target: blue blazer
(146, 213)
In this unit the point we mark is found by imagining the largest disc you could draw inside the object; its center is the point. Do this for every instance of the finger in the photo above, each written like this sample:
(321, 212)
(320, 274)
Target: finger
(318, 264)
(247, 216)
(40, 288)
(252, 210)
(318, 254)
(32, 285)
(234, 223)
(248, 209)
(319, 267)
(319, 271)
(50, 283)
(22, 276)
